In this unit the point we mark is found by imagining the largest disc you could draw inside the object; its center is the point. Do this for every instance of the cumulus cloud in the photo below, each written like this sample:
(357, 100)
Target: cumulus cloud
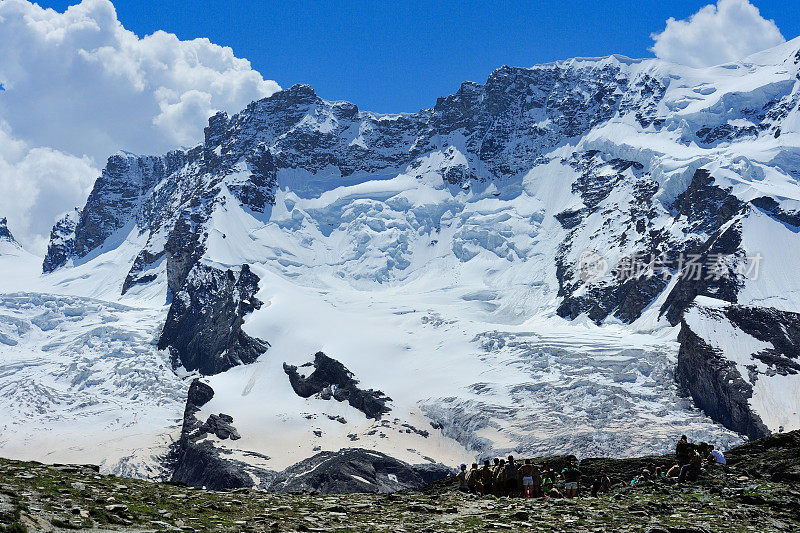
(38, 184)
(77, 87)
(731, 30)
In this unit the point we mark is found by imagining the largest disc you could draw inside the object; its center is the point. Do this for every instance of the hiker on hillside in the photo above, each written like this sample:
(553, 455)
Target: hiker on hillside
(536, 474)
(499, 478)
(703, 448)
(487, 477)
(682, 449)
(643, 477)
(474, 479)
(548, 483)
(602, 483)
(716, 455)
(462, 478)
(511, 477)
(691, 470)
(525, 476)
(572, 477)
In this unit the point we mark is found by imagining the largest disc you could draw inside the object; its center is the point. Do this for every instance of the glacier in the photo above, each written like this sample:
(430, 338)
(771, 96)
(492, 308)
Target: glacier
(437, 256)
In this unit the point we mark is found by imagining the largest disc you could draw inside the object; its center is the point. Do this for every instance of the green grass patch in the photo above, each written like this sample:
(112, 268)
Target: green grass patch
(14, 527)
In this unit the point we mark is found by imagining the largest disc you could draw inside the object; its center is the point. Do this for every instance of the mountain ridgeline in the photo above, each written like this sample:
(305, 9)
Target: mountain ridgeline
(521, 178)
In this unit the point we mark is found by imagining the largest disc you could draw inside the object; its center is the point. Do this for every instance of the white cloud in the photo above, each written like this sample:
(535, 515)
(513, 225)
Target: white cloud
(38, 185)
(78, 87)
(731, 30)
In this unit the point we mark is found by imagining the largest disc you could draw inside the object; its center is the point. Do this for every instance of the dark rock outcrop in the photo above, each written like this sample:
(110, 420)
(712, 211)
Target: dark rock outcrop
(201, 464)
(5, 234)
(779, 328)
(715, 383)
(716, 386)
(116, 196)
(703, 281)
(621, 296)
(203, 330)
(220, 425)
(770, 206)
(356, 470)
(197, 462)
(706, 209)
(331, 379)
(62, 242)
(183, 249)
(138, 273)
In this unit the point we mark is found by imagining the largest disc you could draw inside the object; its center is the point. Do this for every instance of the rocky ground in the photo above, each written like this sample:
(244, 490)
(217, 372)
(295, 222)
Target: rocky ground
(758, 491)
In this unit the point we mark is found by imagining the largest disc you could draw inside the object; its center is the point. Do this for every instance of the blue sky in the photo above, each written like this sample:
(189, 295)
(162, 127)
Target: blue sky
(399, 56)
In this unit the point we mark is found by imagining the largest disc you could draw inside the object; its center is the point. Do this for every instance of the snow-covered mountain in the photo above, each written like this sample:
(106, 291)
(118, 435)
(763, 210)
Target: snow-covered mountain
(8, 244)
(588, 256)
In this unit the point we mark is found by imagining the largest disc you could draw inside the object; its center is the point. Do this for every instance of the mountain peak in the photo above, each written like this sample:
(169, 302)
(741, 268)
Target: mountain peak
(8, 244)
(5, 234)
(297, 93)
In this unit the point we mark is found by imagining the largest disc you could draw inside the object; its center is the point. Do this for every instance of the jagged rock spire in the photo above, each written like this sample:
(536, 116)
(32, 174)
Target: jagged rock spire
(5, 234)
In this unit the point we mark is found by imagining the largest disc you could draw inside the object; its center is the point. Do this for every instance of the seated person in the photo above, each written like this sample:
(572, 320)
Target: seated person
(716, 455)
(601, 483)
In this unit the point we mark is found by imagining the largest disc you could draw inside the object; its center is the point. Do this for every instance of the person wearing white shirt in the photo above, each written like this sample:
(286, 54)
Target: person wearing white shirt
(718, 456)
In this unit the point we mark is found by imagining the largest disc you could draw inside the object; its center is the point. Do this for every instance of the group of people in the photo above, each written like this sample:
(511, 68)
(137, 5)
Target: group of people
(529, 480)
(526, 479)
(690, 459)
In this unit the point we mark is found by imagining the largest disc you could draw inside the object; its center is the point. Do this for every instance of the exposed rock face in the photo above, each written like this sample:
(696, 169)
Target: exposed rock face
(562, 138)
(159, 196)
(707, 215)
(490, 132)
(197, 462)
(220, 425)
(5, 234)
(773, 208)
(356, 470)
(779, 328)
(735, 386)
(505, 124)
(62, 242)
(625, 298)
(183, 249)
(706, 209)
(203, 330)
(116, 197)
(331, 379)
(716, 385)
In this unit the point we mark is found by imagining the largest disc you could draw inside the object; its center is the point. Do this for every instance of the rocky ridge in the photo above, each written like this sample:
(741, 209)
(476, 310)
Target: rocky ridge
(756, 492)
(331, 379)
(5, 234)
(203, 330)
